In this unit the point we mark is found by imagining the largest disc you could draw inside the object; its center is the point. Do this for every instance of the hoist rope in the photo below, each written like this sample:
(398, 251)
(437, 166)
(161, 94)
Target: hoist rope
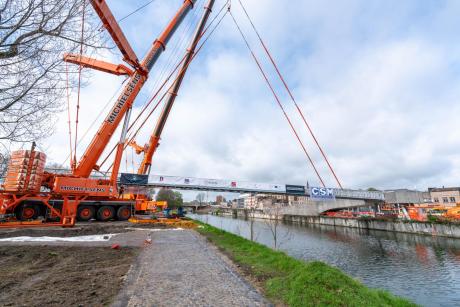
(174, 52)
(94, 121)
(166, 67)
(79, 85)
(179, 73)
(68, 112)
(180, 62)
(206, 30)
(172, 55)
(277, 98)
(108, 102)
(132, 159)
(183, 69)
(142, 111)
(290, 94)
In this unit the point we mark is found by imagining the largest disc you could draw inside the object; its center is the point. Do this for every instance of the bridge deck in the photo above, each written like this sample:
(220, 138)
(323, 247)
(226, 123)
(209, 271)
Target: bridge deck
(236, 186)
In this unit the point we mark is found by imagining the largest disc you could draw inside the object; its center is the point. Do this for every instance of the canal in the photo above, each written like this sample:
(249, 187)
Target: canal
(422, 268)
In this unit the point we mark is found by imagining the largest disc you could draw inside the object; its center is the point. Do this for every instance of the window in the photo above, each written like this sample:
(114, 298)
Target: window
(436, 200)
(445, 200)
(452, 199)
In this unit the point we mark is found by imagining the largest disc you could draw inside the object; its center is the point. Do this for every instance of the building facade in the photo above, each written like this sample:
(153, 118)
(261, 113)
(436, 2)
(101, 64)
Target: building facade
(448, 197)
(406, 197)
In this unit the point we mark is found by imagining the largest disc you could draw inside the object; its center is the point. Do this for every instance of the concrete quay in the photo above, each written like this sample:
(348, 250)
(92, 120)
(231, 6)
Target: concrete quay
(420, 228)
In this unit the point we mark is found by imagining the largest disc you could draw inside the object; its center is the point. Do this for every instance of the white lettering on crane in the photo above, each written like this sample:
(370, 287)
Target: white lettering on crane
(81, 189)
(124, 97)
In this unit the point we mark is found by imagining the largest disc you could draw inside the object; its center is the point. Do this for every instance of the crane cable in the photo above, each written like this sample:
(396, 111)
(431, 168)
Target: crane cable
(166, 67)
(68, 113)
(291, 95)
(93, 122)
(119, 88)
(170, 87)
(277, 99)
(183, 69)
(79, 85)
(143, 110)
(100, 113)
(180, 45)
(135, 11)
(167, 79)
(172, 55)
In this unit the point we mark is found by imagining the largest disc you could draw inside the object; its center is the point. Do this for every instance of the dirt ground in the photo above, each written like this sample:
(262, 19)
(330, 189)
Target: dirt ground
(62, 275)
(81, 229)
(67, 274)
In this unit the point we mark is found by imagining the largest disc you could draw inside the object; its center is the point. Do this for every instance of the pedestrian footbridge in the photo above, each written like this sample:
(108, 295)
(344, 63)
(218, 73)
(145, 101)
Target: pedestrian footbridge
(320, 199)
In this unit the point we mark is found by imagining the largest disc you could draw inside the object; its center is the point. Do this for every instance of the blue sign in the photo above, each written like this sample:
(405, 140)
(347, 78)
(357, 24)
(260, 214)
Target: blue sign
(322, 193)
(295, 189)
(133, 179)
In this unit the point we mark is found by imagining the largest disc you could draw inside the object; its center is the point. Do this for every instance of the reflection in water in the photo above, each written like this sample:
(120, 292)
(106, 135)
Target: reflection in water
(423, 268)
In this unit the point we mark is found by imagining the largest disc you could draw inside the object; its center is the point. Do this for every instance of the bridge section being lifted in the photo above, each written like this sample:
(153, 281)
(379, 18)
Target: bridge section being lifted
(240, 186)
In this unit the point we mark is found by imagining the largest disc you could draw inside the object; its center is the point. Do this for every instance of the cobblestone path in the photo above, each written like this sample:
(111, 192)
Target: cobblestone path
(180, 268)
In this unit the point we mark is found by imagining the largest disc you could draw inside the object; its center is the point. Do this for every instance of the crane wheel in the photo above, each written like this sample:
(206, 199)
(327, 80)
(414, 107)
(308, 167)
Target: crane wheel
(27, 212)
(105, 213)
(85, 213)
(124, 213)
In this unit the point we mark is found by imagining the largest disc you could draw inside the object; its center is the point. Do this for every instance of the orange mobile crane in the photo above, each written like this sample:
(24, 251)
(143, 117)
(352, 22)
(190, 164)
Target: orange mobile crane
(62, 198)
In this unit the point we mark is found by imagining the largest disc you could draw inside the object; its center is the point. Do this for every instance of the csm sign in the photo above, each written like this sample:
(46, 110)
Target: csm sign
(322, 193)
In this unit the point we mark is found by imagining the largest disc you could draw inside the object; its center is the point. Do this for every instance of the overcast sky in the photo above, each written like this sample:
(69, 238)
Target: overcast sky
(377, 80)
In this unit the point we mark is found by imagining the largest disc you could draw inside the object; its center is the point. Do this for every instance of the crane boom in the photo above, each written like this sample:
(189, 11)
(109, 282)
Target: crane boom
(125, 100)
(100, 65)
(144, 168)
(112, 26)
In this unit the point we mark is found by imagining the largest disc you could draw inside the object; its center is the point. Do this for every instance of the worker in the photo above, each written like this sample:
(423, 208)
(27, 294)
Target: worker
(120, 191)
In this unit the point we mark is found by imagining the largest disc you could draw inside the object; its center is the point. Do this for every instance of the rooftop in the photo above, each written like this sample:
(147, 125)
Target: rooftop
(443, 189)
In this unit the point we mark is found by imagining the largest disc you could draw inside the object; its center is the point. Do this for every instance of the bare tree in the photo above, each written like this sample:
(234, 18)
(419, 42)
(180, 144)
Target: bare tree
(274, 215)
(34, 35)
(4, 158)
(250, 218)
(200, 197)
(274, 219)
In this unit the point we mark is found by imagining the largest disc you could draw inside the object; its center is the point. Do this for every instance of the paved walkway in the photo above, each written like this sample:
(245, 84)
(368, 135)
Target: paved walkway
(180, 268)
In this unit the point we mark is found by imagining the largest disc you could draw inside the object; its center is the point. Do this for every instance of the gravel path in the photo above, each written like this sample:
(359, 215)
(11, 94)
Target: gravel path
(180, 268)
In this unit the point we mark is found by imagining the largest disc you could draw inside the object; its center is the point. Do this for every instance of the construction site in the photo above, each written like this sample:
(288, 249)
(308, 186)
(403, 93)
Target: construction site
(87, 216)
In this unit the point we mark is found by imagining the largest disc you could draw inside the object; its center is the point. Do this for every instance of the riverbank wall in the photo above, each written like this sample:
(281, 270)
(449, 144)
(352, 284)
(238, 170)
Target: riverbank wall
(421, 228)
(450, 230)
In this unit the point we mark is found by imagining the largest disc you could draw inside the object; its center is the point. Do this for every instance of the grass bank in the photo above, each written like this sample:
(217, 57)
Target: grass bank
(292, 282)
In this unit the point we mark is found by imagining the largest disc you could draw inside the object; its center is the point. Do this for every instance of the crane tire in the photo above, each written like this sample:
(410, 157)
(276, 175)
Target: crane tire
(85, 213)
(26, 212)
(124, 213)
(105, 213)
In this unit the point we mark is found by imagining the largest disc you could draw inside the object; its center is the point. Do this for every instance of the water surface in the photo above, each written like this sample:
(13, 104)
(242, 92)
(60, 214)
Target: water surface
(424, 269)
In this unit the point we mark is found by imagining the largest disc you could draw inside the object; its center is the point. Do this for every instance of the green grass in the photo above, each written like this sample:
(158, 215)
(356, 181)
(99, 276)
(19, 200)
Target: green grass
(292, 282)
